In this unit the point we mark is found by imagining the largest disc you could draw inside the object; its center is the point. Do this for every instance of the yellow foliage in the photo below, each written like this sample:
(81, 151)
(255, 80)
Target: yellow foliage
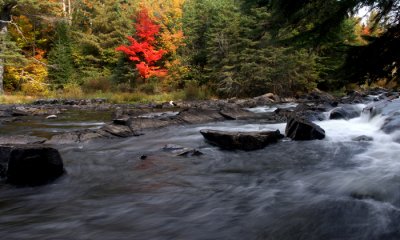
(30, 79)
(168, 13)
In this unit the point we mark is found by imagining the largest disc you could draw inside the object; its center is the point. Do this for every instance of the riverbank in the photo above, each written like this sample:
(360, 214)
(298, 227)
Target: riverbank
(65, 121)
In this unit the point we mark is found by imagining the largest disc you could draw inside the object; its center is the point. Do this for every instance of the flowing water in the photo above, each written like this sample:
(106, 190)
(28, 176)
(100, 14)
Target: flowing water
(70, 120)
(335, 188)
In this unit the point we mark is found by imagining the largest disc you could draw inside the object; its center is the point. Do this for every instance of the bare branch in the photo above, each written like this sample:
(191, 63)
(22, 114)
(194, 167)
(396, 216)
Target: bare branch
(44, 64)
(17, 27)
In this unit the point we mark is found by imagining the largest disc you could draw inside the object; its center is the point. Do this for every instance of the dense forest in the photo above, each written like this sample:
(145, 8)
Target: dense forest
(203, 48)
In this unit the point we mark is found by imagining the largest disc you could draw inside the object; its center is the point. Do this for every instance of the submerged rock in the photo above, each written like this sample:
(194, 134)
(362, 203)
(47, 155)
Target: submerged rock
(241, 140)
(301, 129)
(363, 138)
(179, 150)
(30, 165)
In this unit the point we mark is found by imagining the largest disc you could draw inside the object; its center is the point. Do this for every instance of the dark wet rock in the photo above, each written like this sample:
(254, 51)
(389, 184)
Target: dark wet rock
(179, 150)
(30, 165)
(360, 195)
(265, 99)
(81, 136)
(241, 140)
(363, 138)
(354, 97)
(273, 117)
(70, 101)
(195, 116)
(90, 135)
(311, 113)
(391, 123)
(245, 103)
(118, 130)
(235, 113)
(317, 96)
(123, 120)
(20, 111)
(5, 113)
(46, 101)
(301, 129)
(21, 139)
(345, 112)
(377, 91)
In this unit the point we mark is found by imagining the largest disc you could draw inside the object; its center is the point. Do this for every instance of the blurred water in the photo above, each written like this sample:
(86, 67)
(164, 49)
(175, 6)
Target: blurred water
(334, 188)
(67, 121)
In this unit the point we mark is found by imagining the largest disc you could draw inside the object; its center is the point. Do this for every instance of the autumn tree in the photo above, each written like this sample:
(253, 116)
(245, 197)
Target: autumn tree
(142, 49)
(169, 16)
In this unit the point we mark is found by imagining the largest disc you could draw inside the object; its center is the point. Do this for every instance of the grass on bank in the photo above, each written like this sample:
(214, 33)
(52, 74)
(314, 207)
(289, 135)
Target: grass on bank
(111, 96)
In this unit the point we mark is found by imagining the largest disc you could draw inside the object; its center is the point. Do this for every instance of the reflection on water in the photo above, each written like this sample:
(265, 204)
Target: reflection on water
(334, 188)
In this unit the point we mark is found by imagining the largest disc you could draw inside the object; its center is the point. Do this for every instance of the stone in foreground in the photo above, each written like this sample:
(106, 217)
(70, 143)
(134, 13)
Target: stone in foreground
(301, 129)
(30, 165)
(241, 140)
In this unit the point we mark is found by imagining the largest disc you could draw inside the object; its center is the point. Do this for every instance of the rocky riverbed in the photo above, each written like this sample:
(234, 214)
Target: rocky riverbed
(146, 171)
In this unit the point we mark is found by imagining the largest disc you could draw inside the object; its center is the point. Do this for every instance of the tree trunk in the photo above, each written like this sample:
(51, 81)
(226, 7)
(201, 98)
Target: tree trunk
(5, 17)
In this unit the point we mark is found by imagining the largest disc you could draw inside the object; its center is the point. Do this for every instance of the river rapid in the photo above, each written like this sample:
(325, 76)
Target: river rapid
(336, 188)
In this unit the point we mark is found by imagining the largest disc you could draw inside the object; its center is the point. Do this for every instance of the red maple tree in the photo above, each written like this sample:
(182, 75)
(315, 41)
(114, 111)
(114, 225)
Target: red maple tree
(142, 49)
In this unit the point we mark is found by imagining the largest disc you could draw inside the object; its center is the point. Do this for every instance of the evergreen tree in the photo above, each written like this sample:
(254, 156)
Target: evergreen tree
(240, 58)
(61, 69)
(99, 27)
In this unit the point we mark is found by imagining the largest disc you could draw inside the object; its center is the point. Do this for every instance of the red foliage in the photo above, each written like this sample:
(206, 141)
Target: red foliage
(142, 49)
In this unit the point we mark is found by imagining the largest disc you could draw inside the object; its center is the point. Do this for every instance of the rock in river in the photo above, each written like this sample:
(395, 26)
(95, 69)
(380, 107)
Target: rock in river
(241, 140)
(301, 129)
(345, 112)
(30, 165)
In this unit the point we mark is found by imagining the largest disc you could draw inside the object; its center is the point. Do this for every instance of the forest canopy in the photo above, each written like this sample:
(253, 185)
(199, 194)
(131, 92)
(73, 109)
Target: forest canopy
(231, 48)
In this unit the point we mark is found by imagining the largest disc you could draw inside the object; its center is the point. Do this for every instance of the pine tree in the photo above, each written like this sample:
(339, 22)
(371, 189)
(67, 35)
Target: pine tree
(61, 69)
(98, 28)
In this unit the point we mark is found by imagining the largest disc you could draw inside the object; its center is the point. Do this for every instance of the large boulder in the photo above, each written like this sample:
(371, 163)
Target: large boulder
(241, 140)
(30, 165)
(311, 113)
(301, 129)
(345, 112)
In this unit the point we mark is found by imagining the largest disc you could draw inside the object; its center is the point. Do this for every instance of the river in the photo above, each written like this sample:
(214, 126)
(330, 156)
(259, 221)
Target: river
(335, 188)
